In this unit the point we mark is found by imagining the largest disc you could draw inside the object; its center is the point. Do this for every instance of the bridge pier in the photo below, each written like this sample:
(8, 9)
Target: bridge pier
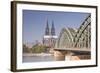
(59, 55)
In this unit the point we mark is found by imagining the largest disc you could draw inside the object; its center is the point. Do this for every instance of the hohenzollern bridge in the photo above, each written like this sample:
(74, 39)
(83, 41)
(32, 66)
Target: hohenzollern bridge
(74, 44)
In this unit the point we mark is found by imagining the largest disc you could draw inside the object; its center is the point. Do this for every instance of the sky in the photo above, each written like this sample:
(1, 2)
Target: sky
(34, 23)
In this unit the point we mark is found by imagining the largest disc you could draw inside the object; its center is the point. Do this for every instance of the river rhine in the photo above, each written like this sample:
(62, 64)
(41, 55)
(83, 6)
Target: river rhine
(38, 57)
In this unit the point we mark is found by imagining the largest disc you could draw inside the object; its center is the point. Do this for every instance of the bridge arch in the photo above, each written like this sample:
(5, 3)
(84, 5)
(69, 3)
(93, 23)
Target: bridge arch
(66, 37)
(76, 38)
(75, 42)
(82, 38)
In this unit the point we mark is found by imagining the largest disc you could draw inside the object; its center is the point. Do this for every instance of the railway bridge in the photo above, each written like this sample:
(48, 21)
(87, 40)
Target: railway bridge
(74, 44)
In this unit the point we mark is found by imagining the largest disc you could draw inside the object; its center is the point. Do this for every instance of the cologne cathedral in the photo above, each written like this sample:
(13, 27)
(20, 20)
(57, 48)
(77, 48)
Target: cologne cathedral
(49, 38)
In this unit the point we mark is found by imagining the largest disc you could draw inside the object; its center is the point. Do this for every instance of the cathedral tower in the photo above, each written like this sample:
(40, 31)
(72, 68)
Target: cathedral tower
(52, 29)
(49, 38)
(53, 35)
(47, 30)
(46, 37)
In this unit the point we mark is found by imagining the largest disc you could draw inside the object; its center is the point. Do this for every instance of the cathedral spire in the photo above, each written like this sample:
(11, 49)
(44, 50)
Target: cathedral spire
(47, 32)
(52, 29)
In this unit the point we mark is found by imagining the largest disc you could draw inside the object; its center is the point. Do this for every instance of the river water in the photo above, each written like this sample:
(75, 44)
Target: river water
(38, 58)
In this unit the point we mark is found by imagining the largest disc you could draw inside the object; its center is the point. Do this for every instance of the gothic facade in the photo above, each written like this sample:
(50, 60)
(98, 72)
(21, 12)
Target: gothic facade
(49, 38)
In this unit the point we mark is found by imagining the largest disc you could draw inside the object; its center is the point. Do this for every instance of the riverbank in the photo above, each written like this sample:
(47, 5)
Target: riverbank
(37, 54)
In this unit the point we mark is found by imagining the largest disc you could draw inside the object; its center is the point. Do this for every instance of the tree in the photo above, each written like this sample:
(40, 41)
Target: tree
(25, 49)
(38, 48)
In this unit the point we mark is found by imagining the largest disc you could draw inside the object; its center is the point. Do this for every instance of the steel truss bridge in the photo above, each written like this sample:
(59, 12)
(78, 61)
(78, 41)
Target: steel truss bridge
(76, 40)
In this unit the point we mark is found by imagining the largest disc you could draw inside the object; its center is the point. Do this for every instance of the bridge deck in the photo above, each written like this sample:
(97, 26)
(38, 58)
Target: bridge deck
(74, 49)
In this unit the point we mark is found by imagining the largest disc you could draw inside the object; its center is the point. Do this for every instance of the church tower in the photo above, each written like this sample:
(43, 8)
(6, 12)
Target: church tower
(46, 37)
(53, 35)
(47, 30)
(52, 29)
(49, 38)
